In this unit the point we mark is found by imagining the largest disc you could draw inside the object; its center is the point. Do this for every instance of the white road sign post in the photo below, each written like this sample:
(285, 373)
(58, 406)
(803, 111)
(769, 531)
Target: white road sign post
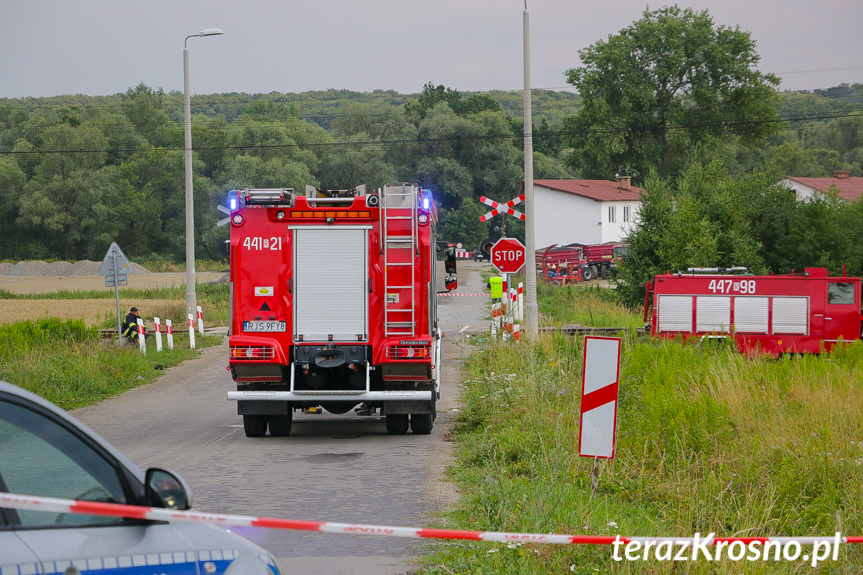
(599, 392)
(114, 267)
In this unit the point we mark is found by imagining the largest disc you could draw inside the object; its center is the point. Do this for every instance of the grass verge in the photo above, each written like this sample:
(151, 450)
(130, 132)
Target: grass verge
(707, 441)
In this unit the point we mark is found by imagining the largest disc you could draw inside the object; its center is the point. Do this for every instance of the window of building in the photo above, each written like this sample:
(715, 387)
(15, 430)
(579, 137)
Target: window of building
(627, 213)
(611, 214)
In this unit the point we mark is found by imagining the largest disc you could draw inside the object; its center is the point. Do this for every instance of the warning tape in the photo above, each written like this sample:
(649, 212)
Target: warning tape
(55, 505)
(464, 294)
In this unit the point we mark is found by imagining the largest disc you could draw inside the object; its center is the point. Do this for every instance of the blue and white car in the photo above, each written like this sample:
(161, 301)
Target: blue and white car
(47, 452)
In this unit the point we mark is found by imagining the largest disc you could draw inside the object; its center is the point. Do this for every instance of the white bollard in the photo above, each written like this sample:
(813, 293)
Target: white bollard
(142, 339)
(191, 332)
(521, 301)
(170, 327)
(157, 327)
(200, 320)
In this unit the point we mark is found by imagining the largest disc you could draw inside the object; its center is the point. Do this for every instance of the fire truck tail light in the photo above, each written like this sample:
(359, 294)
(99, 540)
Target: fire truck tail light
(423, 219)
(252, 352)
(237, 219)
(408, 352)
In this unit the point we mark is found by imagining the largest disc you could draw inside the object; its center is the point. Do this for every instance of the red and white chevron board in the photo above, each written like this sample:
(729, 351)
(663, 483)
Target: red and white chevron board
(502, 208)
(463, 254)
(55, 505)
(599, 390)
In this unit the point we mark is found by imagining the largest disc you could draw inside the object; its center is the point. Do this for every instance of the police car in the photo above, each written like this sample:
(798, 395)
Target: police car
(46, 452)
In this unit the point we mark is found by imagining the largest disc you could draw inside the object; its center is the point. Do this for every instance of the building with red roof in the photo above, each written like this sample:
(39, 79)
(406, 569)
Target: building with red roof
(583, 211)
(842, 184)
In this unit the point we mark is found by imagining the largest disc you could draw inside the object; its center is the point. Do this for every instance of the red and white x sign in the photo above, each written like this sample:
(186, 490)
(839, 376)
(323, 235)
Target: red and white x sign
(502, 208)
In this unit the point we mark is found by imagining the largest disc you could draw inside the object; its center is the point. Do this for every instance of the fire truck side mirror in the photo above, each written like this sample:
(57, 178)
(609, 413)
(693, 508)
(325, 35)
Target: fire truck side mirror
(449, 263)
(451, 283)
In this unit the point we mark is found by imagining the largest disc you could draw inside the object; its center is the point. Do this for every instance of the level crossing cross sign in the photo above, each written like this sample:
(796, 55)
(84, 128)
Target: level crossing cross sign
(502, 208)
(507, 255)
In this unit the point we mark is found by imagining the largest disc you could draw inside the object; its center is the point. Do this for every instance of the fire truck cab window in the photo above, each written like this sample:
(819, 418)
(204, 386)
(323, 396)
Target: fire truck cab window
(840, 293)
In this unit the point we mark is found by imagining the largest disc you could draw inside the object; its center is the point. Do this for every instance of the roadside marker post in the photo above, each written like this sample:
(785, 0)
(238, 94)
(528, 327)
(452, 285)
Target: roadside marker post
(157, 327)
(599, 393)
(191, 331)
(169, 326)
(200, 320)
(142, 339)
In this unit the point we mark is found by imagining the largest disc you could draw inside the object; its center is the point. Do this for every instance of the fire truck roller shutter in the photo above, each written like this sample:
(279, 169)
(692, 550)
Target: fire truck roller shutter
(331, 283)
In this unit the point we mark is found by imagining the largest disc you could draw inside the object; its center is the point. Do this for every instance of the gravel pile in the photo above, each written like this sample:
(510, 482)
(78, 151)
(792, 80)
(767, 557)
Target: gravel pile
(38, 268)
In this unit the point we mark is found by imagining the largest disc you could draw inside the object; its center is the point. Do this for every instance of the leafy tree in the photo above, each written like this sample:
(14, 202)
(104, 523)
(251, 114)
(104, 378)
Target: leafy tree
(668, 81)
(462, 224)
(143, 106)
(347, 166)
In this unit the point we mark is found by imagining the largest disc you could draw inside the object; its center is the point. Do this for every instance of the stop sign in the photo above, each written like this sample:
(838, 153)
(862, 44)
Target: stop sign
(507, 255)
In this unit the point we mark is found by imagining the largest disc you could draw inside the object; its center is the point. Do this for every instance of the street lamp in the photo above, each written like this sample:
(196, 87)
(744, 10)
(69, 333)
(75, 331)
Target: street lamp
(191, 298)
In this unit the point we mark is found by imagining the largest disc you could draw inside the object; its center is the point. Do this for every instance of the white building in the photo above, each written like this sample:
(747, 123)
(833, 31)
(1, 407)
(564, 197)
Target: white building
(842, 184)
(583, 211)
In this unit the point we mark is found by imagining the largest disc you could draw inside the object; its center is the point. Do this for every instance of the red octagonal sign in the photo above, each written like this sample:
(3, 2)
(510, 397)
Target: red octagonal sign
(507, 255)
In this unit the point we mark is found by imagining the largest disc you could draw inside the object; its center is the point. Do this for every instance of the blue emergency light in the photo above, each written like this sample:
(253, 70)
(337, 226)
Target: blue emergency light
(233, 201)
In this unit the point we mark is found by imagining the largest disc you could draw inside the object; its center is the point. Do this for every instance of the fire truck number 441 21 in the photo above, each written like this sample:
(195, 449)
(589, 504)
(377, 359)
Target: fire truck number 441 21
(732, 286)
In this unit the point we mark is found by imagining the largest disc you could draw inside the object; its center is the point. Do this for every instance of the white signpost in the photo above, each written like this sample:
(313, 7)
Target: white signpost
(599, 392)
(114, 267)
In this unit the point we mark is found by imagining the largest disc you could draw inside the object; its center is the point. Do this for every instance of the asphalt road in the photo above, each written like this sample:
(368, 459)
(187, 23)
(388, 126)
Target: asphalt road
(339, 468)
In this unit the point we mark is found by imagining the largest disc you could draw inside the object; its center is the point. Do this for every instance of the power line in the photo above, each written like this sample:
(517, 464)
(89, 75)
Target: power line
(485, 137)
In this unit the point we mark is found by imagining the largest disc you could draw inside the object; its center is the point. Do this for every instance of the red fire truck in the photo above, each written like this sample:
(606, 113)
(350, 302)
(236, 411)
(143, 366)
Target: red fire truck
(772, 315)
(333, 306)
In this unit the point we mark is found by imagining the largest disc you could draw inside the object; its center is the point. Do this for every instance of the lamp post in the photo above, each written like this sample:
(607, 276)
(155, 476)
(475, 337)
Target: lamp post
(532, 307)
(191, 298)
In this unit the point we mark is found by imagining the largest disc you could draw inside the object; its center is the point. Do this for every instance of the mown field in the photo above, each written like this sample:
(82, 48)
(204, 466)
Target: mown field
(87, 298)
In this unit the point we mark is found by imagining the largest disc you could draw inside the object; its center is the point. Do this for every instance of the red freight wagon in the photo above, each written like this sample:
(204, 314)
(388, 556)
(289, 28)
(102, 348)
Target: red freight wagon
(796, 313)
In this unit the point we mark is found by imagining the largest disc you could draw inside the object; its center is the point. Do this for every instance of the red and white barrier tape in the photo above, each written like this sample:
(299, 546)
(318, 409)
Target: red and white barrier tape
(465, 294)
(54, 505)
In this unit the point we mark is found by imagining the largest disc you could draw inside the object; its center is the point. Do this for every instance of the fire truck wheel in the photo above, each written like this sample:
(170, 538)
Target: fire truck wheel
(255, 425)
(422, 423)
(280, 425)
(397, 423)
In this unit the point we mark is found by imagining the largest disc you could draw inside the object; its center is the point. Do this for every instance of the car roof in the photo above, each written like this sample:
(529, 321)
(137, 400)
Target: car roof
(30, 397)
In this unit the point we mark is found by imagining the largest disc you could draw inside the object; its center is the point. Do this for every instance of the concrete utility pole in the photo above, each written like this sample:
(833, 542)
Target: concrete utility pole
(532, 308)
(191, 296)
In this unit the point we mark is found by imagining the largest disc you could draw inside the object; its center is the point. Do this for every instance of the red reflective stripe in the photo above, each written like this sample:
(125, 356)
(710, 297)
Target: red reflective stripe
(288, 524)
(110, 509)
(449, 534)
(599, 397)
(597, 539)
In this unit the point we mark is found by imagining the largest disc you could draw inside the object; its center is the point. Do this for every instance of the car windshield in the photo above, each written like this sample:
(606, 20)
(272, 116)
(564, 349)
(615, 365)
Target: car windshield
(38, 456)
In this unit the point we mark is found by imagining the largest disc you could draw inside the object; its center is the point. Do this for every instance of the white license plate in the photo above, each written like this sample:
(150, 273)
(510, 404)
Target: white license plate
(265, 326)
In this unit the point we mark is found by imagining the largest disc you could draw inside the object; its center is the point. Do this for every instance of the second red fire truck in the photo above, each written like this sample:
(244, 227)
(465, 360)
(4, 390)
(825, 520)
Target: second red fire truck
(807, 312)
(333, 306)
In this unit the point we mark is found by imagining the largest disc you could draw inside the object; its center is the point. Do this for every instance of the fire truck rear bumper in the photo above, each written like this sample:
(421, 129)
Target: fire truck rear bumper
(369, 396)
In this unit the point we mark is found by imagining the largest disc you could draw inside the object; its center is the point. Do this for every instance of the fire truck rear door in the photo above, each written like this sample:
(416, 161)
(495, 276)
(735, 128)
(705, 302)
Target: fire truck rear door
(331, 283)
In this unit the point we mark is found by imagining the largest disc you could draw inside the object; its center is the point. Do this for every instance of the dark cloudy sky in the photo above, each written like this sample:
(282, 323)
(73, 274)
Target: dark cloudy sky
(102, 47)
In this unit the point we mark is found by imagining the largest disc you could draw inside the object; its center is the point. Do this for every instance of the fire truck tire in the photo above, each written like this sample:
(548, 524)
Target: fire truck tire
(280, 425)
(397, 423)
(588, 273)
(255, 425)
(422, 423)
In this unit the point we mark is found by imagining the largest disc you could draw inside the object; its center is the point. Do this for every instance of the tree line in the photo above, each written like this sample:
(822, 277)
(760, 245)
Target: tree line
(670, 100)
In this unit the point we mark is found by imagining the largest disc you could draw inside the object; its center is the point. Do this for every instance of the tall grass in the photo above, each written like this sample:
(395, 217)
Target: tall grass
(707, 441)
(72, 366)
